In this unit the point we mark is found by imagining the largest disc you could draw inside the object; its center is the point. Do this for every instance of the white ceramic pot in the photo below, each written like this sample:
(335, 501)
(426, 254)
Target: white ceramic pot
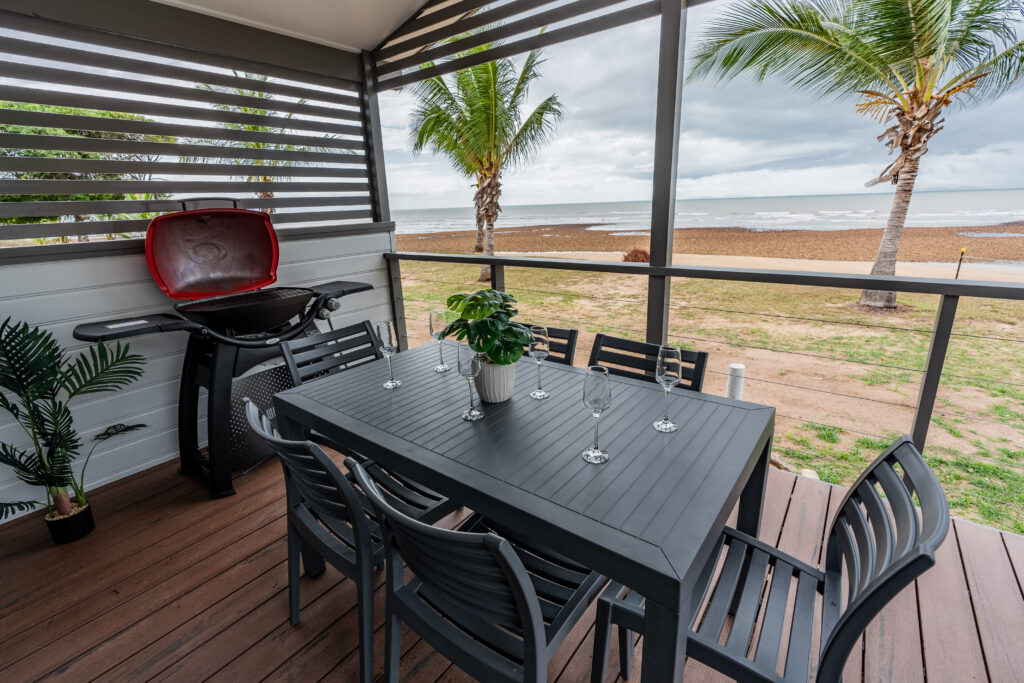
(495, 382)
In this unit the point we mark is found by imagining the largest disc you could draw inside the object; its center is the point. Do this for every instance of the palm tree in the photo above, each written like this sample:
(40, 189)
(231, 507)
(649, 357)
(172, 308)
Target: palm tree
(474, 118)
(908, 62)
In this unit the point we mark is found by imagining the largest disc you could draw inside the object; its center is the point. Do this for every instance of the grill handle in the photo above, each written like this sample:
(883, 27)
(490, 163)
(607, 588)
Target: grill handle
(184, 202)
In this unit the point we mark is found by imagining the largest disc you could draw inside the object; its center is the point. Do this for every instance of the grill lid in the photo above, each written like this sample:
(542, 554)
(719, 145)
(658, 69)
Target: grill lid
(210, 252)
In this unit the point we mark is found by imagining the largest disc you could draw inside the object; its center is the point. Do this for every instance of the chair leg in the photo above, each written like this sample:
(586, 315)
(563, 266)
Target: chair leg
(365, 608)
(602, 638)
(392, 645)
(625, 652)
(294, 545)
(312, 562)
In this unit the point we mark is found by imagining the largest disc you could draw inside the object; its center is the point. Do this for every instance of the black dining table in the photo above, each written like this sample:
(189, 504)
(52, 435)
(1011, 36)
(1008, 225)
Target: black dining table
(648, 518)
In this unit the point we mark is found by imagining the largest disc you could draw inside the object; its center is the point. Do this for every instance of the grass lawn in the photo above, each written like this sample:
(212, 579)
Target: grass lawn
(843, 379)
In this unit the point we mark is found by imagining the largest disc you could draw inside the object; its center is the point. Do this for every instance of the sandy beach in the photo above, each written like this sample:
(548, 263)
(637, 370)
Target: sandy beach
(1003, 243)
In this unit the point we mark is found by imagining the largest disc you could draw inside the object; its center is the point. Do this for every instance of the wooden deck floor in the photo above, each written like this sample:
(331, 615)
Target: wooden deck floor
(175, 586)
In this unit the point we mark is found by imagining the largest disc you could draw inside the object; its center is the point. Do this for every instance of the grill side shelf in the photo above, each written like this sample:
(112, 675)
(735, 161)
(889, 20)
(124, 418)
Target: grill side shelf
(123, 328)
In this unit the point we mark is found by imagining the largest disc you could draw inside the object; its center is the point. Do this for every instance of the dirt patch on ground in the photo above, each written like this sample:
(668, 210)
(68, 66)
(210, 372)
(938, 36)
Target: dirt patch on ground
(918, 244)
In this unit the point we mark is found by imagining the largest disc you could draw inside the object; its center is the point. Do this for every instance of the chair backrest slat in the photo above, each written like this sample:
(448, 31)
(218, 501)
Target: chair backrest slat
(561, 344)
(881, 522)
(639, 360)
(326, 353)
(877, 546)
(474, 581)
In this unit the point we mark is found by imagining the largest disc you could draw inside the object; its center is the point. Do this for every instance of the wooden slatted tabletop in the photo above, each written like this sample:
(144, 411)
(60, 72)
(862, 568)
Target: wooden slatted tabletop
(647, 518)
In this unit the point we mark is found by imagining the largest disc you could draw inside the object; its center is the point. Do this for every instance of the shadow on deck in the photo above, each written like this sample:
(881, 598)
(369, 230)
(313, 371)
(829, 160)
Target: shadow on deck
(173, 585)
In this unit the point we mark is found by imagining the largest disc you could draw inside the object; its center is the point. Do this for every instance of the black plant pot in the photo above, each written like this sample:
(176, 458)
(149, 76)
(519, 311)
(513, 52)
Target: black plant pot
(68, 529)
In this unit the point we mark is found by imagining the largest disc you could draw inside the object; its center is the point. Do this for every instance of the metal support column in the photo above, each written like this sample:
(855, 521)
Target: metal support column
(379, 193)
(944, 318)
(666, 159)
(498, 277)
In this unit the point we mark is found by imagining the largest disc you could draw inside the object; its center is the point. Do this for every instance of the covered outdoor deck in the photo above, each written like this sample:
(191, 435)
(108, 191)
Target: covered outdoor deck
(175, 586)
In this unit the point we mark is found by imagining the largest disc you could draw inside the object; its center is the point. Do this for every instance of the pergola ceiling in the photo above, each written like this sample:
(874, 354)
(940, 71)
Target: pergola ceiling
(347, 24)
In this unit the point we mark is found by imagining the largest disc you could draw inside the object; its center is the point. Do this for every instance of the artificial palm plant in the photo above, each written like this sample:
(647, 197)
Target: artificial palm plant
(38, 381)
(908, 60)
(475, 118)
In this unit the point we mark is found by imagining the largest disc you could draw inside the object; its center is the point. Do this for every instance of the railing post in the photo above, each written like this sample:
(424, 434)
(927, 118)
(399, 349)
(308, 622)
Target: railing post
(944, 318)
(397, 302)
(498, 277)
(666, 159)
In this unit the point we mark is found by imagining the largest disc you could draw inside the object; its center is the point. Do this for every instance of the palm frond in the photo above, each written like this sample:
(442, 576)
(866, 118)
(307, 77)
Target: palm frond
(11, 509)
(474, 117)
(27, 466)
(812, 45)
(535, 132)
(99, 370)
(30, 359)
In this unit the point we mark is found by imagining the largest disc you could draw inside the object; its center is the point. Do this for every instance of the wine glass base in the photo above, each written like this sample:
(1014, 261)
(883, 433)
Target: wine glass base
(595, 456)
(539, 394)
(473, 415)
(392, 384)
(665, 426)
(441, 368)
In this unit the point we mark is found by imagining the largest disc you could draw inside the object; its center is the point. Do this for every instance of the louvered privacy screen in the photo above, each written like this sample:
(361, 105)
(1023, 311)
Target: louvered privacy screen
(433, 41)
(98, 132)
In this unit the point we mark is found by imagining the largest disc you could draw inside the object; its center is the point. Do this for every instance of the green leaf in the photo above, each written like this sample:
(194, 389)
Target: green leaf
(99, 370)
(10, 509)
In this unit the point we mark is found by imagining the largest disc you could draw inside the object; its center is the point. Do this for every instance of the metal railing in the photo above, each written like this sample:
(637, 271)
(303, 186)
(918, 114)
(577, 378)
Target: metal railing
(948, 290)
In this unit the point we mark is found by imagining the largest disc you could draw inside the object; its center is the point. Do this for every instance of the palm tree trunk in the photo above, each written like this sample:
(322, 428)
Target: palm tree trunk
(491, 191)
(885, 261)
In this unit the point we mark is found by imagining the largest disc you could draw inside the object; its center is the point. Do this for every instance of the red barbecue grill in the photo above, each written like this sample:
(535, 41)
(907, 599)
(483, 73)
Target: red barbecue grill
(221, 261)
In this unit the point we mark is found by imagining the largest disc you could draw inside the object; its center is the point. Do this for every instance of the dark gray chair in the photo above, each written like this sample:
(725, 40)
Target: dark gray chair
(330, 520)
(639, 360)
(562, 346)
(877, 545)
(318, 355)
(497, 607)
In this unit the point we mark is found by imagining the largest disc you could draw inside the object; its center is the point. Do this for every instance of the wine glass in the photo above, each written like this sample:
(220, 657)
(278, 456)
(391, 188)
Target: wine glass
(469, 367)
(597, 395)
(667, 374)
(540, 345)
(386, 335)
(438, 321)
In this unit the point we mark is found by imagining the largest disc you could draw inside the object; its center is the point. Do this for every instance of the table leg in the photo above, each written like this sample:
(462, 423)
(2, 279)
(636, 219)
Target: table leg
(752, 499)
(665, 632)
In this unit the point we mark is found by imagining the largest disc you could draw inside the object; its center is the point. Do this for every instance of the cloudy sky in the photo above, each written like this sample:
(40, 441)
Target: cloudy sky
(738, 140)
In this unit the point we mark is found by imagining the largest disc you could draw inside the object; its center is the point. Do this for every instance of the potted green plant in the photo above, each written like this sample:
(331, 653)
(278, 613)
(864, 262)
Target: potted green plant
(485, 323)
(38, 380)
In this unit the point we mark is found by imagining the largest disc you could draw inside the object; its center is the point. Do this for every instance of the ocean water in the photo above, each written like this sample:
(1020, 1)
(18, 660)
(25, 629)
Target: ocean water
(818, 212)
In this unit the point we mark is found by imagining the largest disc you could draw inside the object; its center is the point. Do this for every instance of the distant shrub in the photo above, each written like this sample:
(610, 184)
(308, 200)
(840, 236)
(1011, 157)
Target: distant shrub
(637, 256)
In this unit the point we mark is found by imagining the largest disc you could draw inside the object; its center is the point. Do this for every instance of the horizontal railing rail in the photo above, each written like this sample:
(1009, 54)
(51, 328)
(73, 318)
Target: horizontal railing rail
(948, 290)
(910, 285)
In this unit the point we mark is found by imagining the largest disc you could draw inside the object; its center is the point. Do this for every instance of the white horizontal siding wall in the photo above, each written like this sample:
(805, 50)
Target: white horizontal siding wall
(58, 295)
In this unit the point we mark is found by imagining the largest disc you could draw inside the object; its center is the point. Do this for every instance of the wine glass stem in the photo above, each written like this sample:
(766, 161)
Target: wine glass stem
(440, 351)
(666, 403)
(472, 401)
(538, 376)
(597, 421)
(391, 373)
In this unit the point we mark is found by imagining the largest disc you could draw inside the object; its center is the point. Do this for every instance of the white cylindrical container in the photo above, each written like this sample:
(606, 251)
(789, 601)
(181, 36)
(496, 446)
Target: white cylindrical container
(496, 382)
(734, 387)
